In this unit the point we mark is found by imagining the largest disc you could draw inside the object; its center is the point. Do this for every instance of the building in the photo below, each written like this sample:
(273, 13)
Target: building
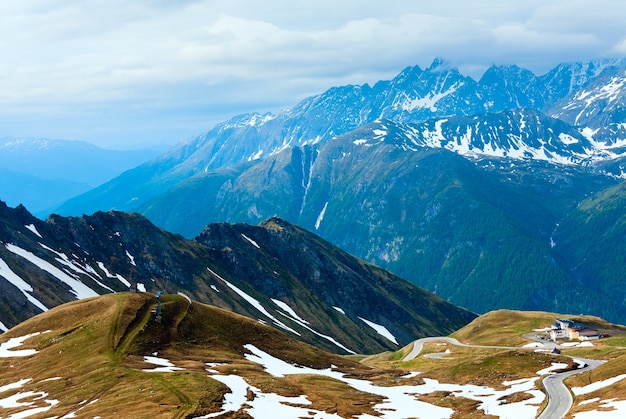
(565, 329)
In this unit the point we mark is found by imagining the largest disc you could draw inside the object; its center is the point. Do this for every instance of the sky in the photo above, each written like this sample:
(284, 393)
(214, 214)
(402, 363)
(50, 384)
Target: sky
(127, 74)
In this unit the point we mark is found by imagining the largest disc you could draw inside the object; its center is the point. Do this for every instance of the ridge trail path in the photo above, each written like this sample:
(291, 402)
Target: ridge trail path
(559, 397)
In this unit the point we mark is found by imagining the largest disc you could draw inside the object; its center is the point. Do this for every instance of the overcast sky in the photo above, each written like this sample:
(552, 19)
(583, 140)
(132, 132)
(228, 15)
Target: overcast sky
(123, 73)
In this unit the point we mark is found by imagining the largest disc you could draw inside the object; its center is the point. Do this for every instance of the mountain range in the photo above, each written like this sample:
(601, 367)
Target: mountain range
(42, 173)
(472, 189)
(276, 273)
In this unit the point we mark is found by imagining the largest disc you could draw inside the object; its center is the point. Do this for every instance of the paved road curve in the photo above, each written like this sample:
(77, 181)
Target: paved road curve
(418, 345)
(559, 397)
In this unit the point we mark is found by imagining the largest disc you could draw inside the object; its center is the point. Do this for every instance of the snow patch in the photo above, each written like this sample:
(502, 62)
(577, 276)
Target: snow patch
(339, 309)
(379, 132)
(164, 365)
(550, 370)
(77, 288)
(615, 409)
(588, 133)
(83, 404)
(304, 324)
(14, 401)
(211, 365)
(590, 388)
(320, 217)
(381, 330)
(32, 228)
(289, 310)
(131, 258)
(400, 401)
(15, 385)
(263, 405)
(577, 344)
(77, 267)
(23, 286)
(255, 156)
(255, 244)
(429, 101)
(567, 139)
(254, 303)
(116, 276)
(257, 119)
(6, 347)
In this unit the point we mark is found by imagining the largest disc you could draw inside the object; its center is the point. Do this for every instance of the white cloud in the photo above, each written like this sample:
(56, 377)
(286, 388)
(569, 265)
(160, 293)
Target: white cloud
(620, 47)
(113, 68)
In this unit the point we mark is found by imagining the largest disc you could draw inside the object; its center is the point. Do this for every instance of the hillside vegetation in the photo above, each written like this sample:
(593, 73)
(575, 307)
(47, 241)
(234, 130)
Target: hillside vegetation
(97, 356)
(92, 351)
(508, 327)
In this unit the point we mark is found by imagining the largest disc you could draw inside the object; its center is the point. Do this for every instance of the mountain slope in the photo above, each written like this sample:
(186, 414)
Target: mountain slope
(599, 103)
(589, 242)
(250, 270)
(106, 345)
(113, 356)
(283, 183)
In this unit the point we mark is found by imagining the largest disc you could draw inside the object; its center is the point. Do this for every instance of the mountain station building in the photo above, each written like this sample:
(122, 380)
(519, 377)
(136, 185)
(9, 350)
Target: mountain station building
(565, 329)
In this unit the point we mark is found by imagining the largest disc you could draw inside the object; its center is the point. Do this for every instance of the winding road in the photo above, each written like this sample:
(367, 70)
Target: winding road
(559, 397)
(418, 345)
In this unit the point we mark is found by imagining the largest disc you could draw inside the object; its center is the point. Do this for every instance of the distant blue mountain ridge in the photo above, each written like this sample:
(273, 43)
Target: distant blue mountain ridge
(42, 173)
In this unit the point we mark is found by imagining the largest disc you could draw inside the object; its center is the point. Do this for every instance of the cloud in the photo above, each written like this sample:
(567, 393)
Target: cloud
(110, 68)
(620, 47)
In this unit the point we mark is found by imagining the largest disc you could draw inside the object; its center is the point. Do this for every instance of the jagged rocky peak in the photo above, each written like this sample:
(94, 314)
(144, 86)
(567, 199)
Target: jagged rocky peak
(249, 120)
(406, 74)
(504, 72)
(580, 73)
(568, 78)
(276, 224)
(441, 65)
